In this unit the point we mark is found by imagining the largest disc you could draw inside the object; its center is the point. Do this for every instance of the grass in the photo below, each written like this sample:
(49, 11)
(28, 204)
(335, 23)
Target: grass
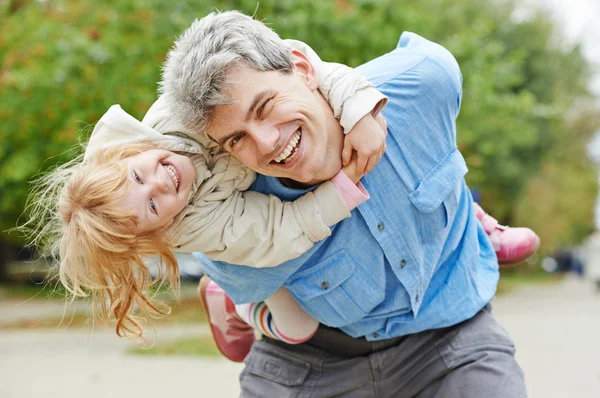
(186, 311)
(33, 291)
(189, 311)
(511, 279)
(188, 346)
(53, 290)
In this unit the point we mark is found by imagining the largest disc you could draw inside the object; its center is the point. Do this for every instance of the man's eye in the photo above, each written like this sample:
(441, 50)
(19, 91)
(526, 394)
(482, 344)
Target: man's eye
(152, 206)
(137, 178)
(261, 109)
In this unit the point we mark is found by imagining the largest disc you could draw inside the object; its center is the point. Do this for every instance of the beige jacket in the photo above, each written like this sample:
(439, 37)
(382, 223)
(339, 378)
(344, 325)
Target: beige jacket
(223, 220)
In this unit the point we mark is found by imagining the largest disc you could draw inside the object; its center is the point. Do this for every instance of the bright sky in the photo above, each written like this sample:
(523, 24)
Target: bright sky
(580, 20)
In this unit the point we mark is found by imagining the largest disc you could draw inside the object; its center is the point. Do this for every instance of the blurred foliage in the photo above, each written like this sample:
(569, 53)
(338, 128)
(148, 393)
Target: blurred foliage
(558, 202)
(63, 63)
(203, 346)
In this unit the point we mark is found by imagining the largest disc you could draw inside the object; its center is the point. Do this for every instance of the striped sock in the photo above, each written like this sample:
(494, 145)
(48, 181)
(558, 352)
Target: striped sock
(260, 318)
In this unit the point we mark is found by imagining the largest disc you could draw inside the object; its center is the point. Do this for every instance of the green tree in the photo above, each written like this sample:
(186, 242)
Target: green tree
(64, 62)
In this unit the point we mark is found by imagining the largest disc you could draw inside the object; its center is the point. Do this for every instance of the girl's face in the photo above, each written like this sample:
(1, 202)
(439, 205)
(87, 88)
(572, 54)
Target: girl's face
(159, 186)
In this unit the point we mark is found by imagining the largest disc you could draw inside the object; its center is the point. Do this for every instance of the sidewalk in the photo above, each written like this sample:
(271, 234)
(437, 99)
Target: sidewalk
(556, 329)
(74, 363)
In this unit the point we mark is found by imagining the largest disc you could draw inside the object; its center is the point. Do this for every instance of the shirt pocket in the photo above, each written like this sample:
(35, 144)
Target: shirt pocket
(435, 198)
(337, 291)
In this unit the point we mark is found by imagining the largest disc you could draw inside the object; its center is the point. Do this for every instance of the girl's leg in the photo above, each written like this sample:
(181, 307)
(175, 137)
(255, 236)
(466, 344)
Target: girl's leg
(233, 326)
(232, 336)
(512, 245)
(279, 317)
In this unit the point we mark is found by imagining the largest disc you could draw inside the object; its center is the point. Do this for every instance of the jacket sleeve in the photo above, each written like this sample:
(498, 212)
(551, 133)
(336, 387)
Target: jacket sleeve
(228, 223)
(350, 95)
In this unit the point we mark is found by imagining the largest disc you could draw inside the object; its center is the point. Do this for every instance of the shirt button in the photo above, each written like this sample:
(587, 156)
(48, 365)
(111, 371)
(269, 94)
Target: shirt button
(375, 335)
(402, 263)
(325, 285)
(417, 298)
(380, 227)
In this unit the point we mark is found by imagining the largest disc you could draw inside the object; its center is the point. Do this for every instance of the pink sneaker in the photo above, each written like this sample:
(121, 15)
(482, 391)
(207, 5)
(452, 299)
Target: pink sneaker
(232, 335)
(512, 245)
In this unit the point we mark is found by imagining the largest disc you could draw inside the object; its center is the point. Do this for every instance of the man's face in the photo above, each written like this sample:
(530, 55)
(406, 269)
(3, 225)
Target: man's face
(280, 125)
(159, 186)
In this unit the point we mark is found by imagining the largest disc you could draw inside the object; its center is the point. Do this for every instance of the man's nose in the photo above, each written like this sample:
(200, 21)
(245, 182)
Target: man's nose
(265, 137)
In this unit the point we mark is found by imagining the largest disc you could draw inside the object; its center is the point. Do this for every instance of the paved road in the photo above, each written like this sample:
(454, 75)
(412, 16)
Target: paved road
(60, 363)
(556, 329)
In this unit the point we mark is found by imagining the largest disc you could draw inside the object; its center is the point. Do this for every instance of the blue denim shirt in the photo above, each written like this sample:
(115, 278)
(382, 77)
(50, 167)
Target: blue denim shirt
(413, 257)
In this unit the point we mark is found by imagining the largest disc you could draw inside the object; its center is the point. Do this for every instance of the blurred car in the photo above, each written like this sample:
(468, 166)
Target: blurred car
(591, 252)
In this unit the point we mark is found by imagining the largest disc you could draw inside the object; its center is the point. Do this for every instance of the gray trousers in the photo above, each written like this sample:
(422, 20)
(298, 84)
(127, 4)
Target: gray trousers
(474, 359)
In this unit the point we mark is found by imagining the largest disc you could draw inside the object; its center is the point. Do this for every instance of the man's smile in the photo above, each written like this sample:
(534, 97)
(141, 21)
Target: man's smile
(291, 149)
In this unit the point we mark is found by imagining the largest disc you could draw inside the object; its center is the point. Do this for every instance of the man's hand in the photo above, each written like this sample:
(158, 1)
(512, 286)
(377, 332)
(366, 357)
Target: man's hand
(367, 139)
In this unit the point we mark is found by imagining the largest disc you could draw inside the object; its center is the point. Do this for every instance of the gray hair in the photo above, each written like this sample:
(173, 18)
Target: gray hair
(195, 72)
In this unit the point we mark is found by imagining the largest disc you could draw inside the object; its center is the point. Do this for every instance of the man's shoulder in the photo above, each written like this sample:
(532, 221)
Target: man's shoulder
(412, 56)
(385, 68)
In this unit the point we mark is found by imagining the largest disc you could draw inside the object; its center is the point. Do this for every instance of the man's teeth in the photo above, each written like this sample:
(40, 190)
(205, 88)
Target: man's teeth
(173, 174)
(291, 149)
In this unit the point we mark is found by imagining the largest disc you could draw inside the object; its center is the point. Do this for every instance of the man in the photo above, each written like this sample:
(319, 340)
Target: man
(404, 284)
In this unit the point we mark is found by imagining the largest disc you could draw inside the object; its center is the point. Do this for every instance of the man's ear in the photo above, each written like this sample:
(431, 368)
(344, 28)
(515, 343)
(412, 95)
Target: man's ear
(306, 69)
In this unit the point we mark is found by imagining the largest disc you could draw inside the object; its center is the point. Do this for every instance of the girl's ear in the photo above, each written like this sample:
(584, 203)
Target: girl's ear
(306, 69)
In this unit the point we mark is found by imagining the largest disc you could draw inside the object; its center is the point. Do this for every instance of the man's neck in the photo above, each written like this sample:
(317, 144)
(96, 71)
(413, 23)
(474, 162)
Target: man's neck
(289, 183)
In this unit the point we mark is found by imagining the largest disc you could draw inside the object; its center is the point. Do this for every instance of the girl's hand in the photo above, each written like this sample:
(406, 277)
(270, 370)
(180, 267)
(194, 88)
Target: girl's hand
(367, 139)
(352, 171)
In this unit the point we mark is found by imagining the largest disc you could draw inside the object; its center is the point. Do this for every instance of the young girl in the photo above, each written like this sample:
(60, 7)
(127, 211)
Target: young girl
(137, 192)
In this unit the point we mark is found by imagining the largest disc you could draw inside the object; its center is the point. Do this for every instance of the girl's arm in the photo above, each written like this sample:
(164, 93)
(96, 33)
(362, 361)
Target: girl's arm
(229, 224)
(257, 230)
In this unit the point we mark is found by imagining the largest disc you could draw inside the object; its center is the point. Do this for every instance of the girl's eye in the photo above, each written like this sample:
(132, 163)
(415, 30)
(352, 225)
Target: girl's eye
(235, 140)
(152, 206)
(137, 178)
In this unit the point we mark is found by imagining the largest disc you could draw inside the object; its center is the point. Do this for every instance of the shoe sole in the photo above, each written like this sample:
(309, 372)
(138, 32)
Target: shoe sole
(522, 259)
(204, 281)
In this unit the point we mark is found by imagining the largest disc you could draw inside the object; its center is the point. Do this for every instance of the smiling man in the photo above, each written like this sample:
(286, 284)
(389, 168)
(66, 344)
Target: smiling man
(402, 287)
(279, 131)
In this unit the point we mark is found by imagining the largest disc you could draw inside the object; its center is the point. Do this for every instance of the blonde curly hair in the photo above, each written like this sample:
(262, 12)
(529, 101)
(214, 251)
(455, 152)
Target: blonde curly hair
(74, 217)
